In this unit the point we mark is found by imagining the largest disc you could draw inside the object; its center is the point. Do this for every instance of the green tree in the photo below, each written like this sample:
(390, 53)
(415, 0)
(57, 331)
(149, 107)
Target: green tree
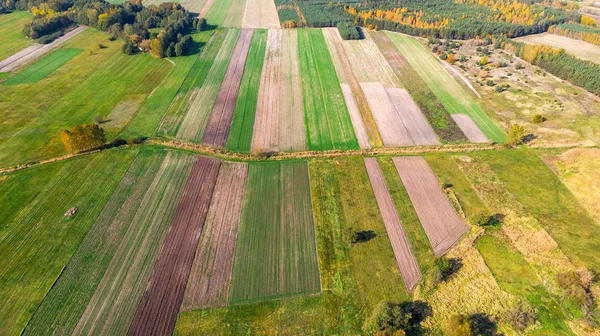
(202, 25)
(516, 134)
(156, 48)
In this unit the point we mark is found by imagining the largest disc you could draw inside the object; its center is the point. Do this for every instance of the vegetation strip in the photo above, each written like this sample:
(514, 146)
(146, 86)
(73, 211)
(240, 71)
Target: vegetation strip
(210, 277)
(43, 67)
(404, 255)
(219, 122)
(66, 301)
(242, 125)
(439, 219)
(276, 251)
(327, 120)
(157, 312)
(116, 298)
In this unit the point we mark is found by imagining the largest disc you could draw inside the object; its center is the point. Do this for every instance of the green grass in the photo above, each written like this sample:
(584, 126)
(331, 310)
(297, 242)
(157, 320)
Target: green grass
(114, 303)
(276, 250)
(242, 126)
(547, 199)
(218, 12)
(11, 38)
(43, 67)
(194, 79)
(514, 275)
(327, 120)
(419, 243)
(117, 77)
(146, 121)
(37, 244)
(66, 301)
(450, 93)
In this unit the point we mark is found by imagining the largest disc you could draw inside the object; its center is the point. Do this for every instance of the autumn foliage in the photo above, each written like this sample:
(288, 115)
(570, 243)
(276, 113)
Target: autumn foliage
(579, 32)
(83, 137)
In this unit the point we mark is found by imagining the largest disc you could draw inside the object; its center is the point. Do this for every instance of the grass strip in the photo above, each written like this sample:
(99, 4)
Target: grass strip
(43, 67)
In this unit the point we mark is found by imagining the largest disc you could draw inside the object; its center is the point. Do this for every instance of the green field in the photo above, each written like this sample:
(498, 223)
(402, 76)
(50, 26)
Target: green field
(11, 38)
(242, 126)
(43, 67)
(66, 301)
(115, 300)
(276, 250)
(454, 97)
(117, 77)
(147, 119)
(218, 12)
(38, 241)
(327, 120)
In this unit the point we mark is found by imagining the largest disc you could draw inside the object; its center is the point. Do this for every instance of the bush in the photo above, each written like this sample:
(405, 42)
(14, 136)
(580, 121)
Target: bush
(83, 137)
(500, 88)
(516, 134)
(129, 48)
(361, 236)
(399, 319)
(201, 24)
(348, 31)
(538, 119)
(134, 140)
(490, 82)
(519, 318)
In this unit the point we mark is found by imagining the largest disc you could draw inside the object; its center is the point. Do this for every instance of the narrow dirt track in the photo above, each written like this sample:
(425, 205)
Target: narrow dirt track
(219, 122)
(210, 278)
(393, 225)
(442, 224)
(472, 132)
(35, 51)
(157, 312)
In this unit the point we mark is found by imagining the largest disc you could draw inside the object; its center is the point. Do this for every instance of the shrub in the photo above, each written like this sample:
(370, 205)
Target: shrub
(519, 318)
(128, 48)
(83, 137)
(500, 88)
(538, 119)
(451, 59)
(361, 236)
(399, 319)
(519, 66)
(201, 24)
(516, 134)
(134, 140)
(490, 82)
(484, 60)
(289, 24)
(348, 31)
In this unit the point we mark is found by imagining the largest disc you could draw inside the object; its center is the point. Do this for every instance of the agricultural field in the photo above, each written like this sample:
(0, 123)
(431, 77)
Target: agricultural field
(11, 38)
(581, 49)
(260, 14)
(43, 68)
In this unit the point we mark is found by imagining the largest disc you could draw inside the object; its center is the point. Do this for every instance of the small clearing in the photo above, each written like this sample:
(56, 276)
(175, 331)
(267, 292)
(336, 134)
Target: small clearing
(578, 48)
(404, 255)
(210, 277)
(35, 51)
(471, 131)
(442, 224)
(261, 14)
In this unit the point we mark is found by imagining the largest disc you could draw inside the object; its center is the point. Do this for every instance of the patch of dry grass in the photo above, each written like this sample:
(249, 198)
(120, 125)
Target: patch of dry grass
(578, 169)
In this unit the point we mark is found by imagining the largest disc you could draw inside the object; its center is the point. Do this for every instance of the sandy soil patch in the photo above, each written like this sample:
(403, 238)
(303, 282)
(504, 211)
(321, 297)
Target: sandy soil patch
(442, 224)
(404, 255)
(471, 131)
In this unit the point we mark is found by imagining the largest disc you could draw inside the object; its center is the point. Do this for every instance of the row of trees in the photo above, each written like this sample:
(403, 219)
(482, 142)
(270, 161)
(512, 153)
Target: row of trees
(580, 32)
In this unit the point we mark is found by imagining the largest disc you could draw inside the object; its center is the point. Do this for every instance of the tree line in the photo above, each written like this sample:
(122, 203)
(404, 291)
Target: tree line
(577, 31)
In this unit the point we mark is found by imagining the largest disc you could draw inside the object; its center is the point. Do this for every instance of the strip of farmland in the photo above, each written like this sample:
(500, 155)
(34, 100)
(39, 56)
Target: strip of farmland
(157, 313)
(328, 123)
(261, 14)
(292, 129)
(468, 127)
(368, 64)
(276, 251)
(266, 124)
(217, 129)
(442, 224)
(242, 126)
(43, 67)
(203, 99)
(360, 114)
(419, 130)
(217, 11)
(210, 278)
(434, 111)
(194, 79)
(37, 244)
(235, 15)
(454, 98)
(404, 255)
(35, 51)
(11, 38)
(115, 301)
(63, 305)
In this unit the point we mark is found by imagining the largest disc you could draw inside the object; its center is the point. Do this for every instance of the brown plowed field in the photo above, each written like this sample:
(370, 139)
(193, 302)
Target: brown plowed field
(266, 124)
(393, 225)
(473, 133)
(439, 219)
(157, 312)
(210, 278)
(357, 122)
(417, 126)
(292, 129)
(394, 132)
(217, 129)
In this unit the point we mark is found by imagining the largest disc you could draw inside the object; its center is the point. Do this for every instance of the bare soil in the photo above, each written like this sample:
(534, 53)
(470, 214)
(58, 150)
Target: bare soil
(417, 126)
(217, 128)
(404, 255)
(357, 122)
(261, 14)
(157, 312)
(210, 277)
(471, 131)
(442, 224)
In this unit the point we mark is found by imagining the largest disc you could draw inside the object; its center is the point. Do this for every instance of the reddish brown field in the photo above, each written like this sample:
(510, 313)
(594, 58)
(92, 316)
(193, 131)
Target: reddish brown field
(217, 129)
(472, 132)
(404, 255)
(210, 278)
(439, 219)
(157, 312)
